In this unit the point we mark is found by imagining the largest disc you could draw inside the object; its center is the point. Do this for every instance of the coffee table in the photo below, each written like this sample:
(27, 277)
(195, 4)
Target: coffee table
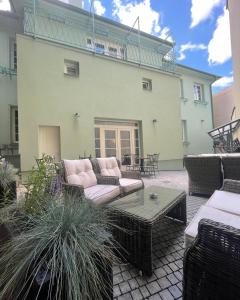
(136, 214)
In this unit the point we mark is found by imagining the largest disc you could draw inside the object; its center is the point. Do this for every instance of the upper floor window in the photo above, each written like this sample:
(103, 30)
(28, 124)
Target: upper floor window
(198, 92)
(13, 54)
(147, 84)
(99, 48)
(71, 68)
(112, 51)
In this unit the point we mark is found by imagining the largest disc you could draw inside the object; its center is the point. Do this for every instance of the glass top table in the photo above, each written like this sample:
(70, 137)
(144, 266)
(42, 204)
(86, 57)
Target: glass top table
(135, 216)
(141, 205)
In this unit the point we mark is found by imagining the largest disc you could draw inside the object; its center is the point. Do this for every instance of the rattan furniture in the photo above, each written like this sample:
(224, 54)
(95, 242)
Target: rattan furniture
(231, 166)
(204, 173)
(136, 214)
(211, 268)
(223, 206)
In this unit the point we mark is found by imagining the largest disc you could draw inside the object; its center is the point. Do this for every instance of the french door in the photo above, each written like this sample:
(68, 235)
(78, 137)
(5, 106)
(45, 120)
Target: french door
(116, 141)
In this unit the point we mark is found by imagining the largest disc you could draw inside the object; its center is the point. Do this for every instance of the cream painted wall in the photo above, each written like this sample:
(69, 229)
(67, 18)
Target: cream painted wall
(106, 88)
(223, 104)
(234, 15)
(198, 115)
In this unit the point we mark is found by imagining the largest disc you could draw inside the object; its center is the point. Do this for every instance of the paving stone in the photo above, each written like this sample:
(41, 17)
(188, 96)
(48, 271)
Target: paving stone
(160, 272)
(144, 292)
(133, 283)
(174, 290)
(179, 263)
(117, 279)
(178, 275)
(173, 279)
(179, 285)
(173, 266)
(126, 275)
(125, 297)
(167, 269)
(164, 283)
(153, 287)
(116, 291)
(124, 287)
(166, 295)
(141, 280)
(136, 294)
(152, 278)
(155, 297)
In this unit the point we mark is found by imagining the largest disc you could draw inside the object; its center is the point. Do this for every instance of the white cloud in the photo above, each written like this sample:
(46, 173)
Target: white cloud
(223, 82)
(189, 47)
(202, 9)
(149, 18)
(5, 5)
(99, 8)
(219, 47)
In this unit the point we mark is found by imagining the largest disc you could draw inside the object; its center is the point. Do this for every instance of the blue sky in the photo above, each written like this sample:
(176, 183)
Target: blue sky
(200, 29)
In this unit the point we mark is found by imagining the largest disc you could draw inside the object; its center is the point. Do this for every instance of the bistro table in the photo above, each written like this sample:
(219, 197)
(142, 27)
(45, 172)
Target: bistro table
(137, 213)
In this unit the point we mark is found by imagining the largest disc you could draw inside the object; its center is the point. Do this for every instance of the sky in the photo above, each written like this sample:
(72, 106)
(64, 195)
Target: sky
(200, 29)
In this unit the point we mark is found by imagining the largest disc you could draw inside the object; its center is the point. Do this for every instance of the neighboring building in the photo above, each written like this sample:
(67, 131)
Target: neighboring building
(223, 107)
(88, 85)
(234, 16)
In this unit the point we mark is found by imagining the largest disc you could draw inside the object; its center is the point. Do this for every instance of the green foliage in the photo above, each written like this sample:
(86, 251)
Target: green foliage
(39, 185)
(8, 173)
(64, 241)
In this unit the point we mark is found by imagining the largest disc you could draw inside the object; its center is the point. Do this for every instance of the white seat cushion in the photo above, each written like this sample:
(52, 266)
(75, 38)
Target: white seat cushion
(80, 172)
(207, 212)
(226, 201)
(100, 193)
(129, 185)
(109, 166)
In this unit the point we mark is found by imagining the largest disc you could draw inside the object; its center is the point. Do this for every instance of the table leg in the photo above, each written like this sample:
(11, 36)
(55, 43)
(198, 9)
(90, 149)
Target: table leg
(179, 211)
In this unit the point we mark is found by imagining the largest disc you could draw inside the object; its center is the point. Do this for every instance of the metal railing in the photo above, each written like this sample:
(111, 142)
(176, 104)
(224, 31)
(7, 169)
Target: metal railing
(76, 29)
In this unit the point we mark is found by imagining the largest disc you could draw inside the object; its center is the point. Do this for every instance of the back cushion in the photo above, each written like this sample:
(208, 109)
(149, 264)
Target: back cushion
(80, 172)
(109, 166)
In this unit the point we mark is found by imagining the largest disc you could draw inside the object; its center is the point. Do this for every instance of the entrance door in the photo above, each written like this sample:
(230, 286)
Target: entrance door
(116, 140)
(49, 141)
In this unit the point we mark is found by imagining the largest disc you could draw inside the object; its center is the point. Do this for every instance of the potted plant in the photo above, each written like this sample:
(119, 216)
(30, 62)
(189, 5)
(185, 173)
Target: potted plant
(63, 252)
(8, 177)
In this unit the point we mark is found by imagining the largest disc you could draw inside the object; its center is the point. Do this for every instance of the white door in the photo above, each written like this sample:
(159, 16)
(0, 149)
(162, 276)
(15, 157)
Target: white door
(49, 141)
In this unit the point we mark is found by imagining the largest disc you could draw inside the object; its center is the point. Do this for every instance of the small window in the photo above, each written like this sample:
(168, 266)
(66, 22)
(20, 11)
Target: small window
(112, 51)
(99, 48)
(71, 68)
(13, 54)
(198, 92)
(14, 124)
(147, 84)
(184, 130)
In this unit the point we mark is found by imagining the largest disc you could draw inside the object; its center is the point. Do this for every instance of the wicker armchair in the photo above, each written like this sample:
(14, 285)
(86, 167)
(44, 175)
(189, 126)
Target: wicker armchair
(129, 181)
(211, 268)
(204, 174)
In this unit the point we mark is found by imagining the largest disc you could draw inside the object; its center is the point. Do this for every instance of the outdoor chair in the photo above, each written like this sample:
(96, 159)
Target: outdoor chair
(204, 173)
(231, 166)
(80, 178)
(129, 181)
(211, 268)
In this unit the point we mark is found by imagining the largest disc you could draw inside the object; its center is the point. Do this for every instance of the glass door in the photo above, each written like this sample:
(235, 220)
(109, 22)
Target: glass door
(125, 147)
(110, 136)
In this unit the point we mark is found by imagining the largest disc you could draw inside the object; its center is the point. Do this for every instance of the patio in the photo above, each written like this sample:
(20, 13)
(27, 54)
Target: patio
(166, 281)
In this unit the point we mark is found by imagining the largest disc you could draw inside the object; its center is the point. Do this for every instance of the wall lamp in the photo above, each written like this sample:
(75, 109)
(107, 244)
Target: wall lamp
(76, 116)
(154, 121)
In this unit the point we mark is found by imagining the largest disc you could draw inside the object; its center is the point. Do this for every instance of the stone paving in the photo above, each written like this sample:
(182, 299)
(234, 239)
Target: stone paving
(168, 250)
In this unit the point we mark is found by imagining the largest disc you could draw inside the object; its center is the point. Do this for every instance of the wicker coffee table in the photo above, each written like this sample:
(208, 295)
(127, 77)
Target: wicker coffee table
(137, 213)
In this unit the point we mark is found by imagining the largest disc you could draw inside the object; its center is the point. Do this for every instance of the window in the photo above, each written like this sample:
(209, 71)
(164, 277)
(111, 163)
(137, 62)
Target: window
(14, 124)
(97, 142)
(71, 68)
(147, 84)
(184, 130)
(198, 92)
(13, 54)
(112, 51)
(99, 48)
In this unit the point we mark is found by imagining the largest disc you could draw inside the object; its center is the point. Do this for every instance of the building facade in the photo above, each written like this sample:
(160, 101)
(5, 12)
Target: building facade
(234, 13)
(90, 86)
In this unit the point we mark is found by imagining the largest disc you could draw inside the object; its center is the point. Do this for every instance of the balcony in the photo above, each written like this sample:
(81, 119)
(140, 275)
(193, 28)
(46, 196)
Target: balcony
(80, 29)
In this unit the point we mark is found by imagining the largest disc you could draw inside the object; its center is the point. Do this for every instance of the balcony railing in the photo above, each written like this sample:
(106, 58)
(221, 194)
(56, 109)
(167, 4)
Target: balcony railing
(57, 24)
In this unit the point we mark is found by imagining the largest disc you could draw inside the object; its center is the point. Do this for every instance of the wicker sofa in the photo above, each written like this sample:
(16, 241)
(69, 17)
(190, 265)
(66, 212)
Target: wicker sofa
(129, 181)
(79, 178)
(223, 206)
